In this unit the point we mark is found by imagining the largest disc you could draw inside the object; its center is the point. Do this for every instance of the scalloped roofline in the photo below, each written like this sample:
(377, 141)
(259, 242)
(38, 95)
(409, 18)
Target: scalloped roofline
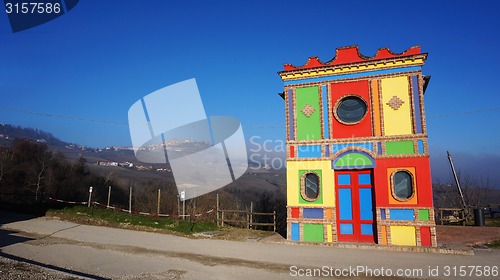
(350, 55)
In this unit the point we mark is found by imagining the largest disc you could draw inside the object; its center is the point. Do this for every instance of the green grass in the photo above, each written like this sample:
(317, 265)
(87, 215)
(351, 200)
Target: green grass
(494, 244)
(107, 217)
(492, 222)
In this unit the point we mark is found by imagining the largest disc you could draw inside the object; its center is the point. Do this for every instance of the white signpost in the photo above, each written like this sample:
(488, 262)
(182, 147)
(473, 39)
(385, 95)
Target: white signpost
(90, 196)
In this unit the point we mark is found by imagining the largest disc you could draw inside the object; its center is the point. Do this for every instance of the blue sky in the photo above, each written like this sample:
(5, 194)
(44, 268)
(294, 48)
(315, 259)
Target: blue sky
(102, 56)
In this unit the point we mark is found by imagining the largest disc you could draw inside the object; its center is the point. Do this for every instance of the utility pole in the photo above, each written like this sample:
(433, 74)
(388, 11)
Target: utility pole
(456, 180)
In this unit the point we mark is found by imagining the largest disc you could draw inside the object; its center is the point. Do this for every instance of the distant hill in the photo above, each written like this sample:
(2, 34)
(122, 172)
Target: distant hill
(9, 133)
(72, 151)
(93, 155)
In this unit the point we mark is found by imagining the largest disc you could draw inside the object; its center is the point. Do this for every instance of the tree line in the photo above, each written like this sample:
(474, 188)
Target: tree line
(30, 173)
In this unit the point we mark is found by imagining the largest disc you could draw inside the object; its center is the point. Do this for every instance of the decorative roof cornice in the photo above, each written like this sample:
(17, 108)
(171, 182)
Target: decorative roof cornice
(348, 59)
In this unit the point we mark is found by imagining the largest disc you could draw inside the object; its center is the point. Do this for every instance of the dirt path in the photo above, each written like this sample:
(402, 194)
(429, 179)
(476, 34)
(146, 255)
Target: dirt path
(103, 253)
(461, 236)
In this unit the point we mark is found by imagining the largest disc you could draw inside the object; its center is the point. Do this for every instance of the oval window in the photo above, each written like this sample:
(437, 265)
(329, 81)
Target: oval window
(311, 186)
(403, 185)
(351, 110)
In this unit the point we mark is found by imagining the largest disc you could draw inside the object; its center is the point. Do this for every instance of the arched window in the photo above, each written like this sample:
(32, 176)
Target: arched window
(350, 109)
(310, 186)
(402, 185)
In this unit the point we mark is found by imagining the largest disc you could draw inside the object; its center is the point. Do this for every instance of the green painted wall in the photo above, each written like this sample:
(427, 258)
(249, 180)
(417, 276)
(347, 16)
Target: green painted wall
(308, 128)
(353, 160)
(399, 148)
(313, 233)
(423, 215)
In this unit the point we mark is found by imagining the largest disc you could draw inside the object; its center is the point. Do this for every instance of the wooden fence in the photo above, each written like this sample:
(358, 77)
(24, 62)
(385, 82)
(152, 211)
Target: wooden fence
(452, 216)
(465, 215)
(243, 218)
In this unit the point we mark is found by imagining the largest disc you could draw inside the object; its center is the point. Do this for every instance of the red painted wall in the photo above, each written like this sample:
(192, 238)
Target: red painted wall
(425, 236)
(423, 180)
(361, 129)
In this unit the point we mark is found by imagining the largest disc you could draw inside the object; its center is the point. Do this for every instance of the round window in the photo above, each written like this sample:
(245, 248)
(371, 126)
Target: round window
(351, 110)
(311, 186)
(403, 185)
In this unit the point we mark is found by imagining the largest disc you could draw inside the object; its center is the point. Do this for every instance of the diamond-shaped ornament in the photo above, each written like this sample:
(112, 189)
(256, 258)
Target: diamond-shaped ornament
(308, 110)
(395, 102)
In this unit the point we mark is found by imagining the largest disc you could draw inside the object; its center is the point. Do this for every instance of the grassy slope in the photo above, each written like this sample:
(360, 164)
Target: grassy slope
(105, 217)
(110, 218)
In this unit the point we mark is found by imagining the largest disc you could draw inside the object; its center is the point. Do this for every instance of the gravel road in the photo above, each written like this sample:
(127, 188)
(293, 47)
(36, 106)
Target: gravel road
(16, 270)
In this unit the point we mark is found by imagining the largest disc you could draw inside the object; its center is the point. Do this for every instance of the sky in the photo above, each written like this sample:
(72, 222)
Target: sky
(97, 60)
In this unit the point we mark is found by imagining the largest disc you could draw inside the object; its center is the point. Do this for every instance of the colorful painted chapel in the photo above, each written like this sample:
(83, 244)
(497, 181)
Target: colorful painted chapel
(357, 152)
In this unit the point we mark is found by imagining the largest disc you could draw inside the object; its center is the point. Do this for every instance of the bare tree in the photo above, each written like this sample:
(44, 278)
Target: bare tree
(6, 168)
(37, 169)
(476, 191)
(5, 162)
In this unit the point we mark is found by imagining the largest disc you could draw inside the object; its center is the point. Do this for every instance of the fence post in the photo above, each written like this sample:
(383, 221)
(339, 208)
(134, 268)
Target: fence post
(217, 206)
(250, 218)
(222, 222)
(158, 209)
(178, 207)
(184, 208)
(109, 196)
(274, 220)
(130, 201)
